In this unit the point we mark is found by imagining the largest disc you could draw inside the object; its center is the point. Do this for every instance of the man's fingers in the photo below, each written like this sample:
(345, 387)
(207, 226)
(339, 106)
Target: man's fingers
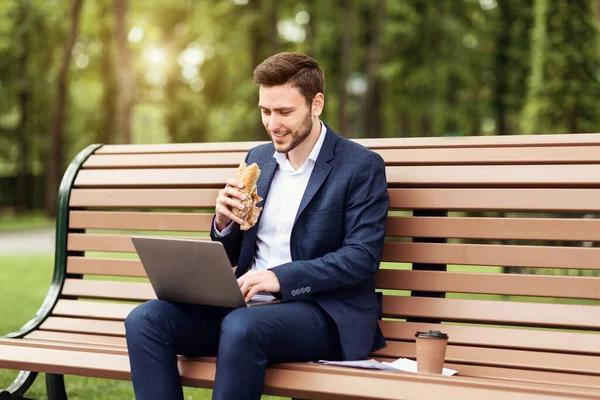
(233, 203)
(234, 183)
(253, 290)
(234, 193)
(223, 210)
(245, 288)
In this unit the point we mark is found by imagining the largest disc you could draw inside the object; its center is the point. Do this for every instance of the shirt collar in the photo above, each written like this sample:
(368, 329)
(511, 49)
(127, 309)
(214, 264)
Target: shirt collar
(284, 162)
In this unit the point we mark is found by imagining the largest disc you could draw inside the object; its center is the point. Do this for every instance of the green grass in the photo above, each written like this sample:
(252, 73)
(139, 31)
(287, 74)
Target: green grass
(24, 282)
(13, 223)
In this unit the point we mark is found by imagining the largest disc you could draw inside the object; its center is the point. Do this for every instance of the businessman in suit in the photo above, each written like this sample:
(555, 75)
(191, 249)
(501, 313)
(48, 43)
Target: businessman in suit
(316, 246)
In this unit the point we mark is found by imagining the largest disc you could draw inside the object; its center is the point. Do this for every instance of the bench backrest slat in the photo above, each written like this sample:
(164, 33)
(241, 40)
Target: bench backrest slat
(524, 199)
(483, 336)
(445, 176)
(387, 143)
(497, 312)
(513, 228)
(128, 220)
(143, 198)
(555, 257)
(492, 284)
(393, 157)
(105, 266)
(494, 199)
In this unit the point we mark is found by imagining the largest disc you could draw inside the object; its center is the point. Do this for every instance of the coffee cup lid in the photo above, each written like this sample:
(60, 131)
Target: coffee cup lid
(432, 334)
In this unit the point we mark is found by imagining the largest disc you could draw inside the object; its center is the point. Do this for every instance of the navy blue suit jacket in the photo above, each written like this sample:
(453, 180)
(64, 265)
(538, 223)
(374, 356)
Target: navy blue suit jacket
(336, 241)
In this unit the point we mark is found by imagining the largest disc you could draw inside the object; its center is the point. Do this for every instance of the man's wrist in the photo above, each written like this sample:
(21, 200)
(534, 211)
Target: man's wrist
(222, 231)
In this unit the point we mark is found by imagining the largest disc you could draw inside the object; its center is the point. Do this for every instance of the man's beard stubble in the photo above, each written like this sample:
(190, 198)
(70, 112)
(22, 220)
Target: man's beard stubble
(297, 136)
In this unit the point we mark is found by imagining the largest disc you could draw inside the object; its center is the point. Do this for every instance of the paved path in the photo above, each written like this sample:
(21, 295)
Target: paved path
(39, 241)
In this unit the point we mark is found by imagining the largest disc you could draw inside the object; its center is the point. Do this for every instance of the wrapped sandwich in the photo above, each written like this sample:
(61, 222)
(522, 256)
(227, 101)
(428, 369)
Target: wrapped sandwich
(248, 175)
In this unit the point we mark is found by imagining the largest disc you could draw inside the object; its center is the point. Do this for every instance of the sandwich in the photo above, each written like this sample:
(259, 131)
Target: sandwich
(248, 175)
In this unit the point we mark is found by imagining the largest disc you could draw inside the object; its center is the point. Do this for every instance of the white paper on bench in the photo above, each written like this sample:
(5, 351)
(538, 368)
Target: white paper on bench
(401, 364)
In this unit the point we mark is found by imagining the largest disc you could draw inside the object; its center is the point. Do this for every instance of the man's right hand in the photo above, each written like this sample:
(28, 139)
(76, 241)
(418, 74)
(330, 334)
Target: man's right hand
(229, 197)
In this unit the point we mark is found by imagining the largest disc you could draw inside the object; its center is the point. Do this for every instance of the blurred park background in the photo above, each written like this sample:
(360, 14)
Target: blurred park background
(76, 72)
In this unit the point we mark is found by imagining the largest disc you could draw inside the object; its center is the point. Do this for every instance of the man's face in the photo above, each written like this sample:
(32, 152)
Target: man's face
(285, 115)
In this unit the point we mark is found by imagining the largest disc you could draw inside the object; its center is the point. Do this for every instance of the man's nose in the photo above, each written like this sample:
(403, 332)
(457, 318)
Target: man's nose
(272, 122)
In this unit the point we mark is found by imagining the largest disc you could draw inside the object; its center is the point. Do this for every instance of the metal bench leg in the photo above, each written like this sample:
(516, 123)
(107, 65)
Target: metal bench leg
(55, 386)
(17, 389)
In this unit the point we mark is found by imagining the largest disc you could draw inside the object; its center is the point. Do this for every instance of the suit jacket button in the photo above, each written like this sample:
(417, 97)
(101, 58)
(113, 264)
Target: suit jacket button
(293, 292)
(308, 289)
(303, 290)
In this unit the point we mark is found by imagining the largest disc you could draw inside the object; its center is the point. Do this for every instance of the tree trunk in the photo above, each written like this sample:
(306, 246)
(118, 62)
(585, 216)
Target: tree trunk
(403, 124)
(23, 184)
(345, 67)
(426, 125)
(56, 148)
(501, 66)
(451, 124)
(372, 101)
(124, 74)
(311, 29)
(273, 16)
(257, 43)
(108, 74)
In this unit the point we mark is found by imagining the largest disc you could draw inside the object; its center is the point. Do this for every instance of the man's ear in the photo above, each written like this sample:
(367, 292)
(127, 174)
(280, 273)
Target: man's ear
(317, 104)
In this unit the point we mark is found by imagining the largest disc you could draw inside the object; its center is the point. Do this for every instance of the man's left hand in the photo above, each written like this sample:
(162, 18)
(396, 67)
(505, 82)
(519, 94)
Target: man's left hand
(253, 282)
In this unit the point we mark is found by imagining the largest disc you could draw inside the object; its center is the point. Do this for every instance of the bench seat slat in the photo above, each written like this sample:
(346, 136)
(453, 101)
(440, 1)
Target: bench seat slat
(562, 316)
(110, 243)
(326, 382)
(503, 373)
(502, 284)
(494, 255)
(77, 338)
(520, 359)
(144, 198)
(514, 338)
(495, 228)
(495, 199)
(44, 344)
(522, 375)
(93, 289)
(156, 221)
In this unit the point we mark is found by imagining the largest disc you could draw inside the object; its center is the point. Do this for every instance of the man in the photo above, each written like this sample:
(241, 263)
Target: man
(316, 246)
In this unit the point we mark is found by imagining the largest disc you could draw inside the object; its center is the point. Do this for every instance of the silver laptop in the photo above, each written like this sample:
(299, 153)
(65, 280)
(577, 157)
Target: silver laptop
(191, 271)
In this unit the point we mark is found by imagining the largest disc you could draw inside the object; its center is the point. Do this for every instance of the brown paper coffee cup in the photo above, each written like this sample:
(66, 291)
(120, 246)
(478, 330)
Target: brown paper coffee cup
(431, 351)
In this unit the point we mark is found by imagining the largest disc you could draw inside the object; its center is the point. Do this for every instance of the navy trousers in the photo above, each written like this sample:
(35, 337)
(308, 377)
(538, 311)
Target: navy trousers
(245, 341)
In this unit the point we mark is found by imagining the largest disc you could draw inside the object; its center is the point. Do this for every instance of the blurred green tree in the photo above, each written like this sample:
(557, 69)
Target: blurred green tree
(564, 85)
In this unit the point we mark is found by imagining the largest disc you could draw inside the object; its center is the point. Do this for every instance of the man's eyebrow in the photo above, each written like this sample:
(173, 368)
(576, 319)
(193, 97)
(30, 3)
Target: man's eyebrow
(277, 109)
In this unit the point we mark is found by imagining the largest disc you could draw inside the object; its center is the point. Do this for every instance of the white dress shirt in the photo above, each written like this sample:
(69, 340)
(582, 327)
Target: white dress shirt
(280, 209)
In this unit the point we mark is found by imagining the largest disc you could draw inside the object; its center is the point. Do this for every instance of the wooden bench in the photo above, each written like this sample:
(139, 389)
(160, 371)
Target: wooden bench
(463, 212)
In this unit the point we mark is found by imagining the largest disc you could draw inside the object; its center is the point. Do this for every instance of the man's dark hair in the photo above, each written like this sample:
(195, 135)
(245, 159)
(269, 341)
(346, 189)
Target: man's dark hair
(300, 70)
